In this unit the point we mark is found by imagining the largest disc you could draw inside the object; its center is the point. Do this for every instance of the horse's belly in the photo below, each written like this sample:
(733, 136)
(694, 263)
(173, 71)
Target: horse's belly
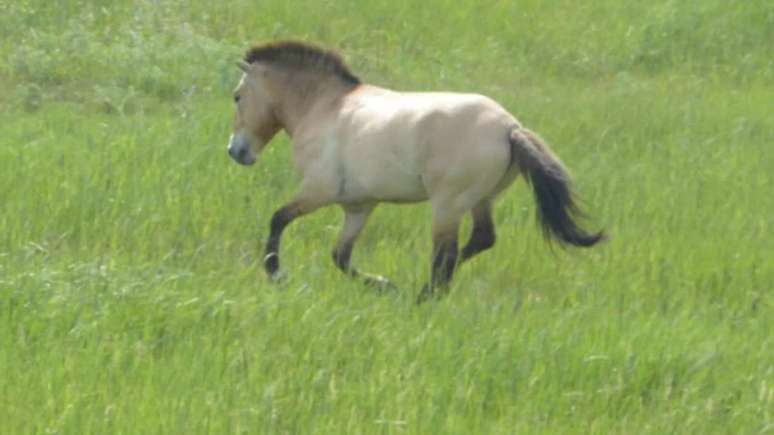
(406, 190)
(382, 181)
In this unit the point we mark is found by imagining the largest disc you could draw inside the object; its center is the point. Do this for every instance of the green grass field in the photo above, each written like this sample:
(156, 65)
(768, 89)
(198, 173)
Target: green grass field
(131, 295)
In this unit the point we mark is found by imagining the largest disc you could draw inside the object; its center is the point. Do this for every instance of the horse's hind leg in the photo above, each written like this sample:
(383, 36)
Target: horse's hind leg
(445, 234)
(355, 218)
(483, 235)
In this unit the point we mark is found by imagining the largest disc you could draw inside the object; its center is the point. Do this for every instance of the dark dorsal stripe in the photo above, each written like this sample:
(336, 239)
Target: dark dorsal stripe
(301, 55)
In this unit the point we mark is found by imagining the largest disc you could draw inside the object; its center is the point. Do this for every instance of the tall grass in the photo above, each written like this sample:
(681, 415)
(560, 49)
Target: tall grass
(131, 298)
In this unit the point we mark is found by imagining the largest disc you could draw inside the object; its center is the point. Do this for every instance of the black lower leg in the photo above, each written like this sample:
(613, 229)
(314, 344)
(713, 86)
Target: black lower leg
(279, 221)
(481, 239)
(444, 261)
(341, 256)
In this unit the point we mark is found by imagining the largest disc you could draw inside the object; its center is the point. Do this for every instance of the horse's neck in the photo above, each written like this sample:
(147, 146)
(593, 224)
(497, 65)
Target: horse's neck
(304, 102)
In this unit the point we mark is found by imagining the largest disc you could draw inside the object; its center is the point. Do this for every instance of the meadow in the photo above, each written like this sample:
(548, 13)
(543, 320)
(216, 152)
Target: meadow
(131, 295)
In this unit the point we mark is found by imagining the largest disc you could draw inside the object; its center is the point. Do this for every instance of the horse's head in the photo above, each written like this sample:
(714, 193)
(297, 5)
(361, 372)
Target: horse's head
(255, 122)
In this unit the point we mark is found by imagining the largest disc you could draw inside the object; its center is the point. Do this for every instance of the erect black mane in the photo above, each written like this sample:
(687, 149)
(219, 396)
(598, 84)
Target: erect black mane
(301, 55)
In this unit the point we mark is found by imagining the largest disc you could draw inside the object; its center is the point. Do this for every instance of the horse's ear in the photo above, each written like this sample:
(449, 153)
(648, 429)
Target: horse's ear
(244, 66)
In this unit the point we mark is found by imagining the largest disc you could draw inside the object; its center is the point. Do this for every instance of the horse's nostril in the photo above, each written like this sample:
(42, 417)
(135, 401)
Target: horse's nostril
(237, 154)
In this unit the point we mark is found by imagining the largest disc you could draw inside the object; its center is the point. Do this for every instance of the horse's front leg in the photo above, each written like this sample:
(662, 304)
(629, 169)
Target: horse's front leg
(355, 218)
(279, 221)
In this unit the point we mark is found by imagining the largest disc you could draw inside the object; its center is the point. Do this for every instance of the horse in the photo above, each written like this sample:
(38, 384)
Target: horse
(358, 145)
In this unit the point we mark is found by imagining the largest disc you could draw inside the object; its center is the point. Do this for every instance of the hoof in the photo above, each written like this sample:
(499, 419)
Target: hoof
(429, 292)
(425, 294)
(278, 277)
(380, 282)
(271, 263)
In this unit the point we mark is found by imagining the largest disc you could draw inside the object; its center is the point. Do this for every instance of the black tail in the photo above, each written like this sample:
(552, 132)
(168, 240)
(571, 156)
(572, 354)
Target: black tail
(557, 211)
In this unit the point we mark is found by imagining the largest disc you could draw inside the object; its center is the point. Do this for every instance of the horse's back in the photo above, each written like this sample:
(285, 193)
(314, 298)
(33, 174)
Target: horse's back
(404, 146)
(390, 106)
(412, 119)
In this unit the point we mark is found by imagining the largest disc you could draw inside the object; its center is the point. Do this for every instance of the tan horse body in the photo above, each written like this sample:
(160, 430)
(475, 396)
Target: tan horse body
(357, 145)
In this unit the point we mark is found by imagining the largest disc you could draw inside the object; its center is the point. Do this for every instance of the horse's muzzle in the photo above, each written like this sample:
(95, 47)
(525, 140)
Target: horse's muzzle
(239, 150)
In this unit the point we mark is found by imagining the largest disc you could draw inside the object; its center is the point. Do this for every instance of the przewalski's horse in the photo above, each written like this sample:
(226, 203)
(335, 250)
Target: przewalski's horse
(357, 145)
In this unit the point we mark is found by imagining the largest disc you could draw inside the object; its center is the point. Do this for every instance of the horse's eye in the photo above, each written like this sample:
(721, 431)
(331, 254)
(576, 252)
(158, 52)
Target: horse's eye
(237, 98)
